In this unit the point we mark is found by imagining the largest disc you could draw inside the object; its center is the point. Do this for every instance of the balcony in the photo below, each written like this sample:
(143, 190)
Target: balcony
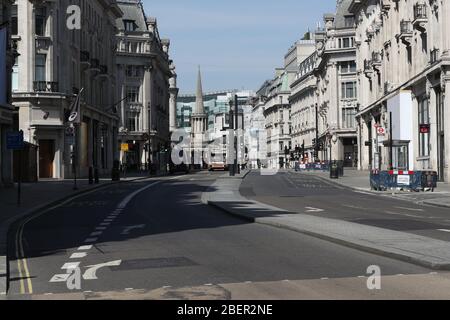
(45, 86)
(420, 17)
(376, 60)
(434, 56)
(406, 32)
(368, 68)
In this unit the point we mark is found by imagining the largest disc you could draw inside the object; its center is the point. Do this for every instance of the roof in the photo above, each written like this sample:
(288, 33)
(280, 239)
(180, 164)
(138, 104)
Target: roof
(342, 10)
(132, 10)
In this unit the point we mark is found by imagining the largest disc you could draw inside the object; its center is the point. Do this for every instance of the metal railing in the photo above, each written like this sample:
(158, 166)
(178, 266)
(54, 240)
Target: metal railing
(45, 86)
(406, 27)
(420, 11)
(434, 55)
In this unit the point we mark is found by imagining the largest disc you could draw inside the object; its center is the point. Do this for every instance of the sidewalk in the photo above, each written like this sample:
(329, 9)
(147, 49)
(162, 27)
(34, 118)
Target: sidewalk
(359, 180)
(224, 195)
(37, 196)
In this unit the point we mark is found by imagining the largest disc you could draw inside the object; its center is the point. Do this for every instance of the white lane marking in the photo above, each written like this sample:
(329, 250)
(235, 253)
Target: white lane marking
(101, 228)
(208, 284)
(60, 277)
(352, 207)
(105, 223)
(96, 233)
(444, 230)
(128, 229)
(402, 214)
(311, 209)
(410, 209)
(48, 294)
(78, 255)
(70, 265)
(90, 240)
(130, 197)
(108, 220)
(167, 287)
(128, 289)
(324, 278)
(84, 248)
(91, 272)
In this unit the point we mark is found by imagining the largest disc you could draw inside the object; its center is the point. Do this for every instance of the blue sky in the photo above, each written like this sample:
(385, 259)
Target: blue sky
(237, 43)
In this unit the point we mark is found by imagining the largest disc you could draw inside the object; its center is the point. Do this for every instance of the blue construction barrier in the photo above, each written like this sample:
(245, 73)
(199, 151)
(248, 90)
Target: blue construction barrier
(405, 180)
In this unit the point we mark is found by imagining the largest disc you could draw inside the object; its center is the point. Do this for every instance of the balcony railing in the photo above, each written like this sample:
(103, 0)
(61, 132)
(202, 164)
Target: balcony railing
(368, 67)
(406, 27)
(434, 56)
(376, 58)
(420, 17)
(45, 86)
(420, 11)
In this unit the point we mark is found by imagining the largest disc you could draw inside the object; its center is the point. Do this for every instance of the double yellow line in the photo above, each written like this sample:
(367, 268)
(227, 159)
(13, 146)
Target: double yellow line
(26, 285)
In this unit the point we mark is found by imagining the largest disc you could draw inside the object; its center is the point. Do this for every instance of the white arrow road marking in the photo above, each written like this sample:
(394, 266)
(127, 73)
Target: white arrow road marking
(128, 229)
(60, 277)
(90, 273)
(311, 209)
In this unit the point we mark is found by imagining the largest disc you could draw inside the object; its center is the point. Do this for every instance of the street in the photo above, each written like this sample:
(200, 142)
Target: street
(154, 239)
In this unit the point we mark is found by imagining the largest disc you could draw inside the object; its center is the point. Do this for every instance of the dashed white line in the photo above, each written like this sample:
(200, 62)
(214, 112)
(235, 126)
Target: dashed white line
(90, 240)
(78, 255)
(444, 230)
(410, 209)
(84, 248)
(105, 223)
(96, 233)
(101, 228)
(70, 265)
(324, 278)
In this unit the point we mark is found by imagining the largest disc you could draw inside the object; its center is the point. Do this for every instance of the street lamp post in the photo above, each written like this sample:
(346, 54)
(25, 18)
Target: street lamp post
(231, 138)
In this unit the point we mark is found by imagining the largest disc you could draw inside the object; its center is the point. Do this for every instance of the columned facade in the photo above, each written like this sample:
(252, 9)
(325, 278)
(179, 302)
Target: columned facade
(403, 74)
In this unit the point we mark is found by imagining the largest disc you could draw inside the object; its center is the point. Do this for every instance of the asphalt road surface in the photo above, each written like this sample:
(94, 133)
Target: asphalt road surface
(157, 236)
(305, 193)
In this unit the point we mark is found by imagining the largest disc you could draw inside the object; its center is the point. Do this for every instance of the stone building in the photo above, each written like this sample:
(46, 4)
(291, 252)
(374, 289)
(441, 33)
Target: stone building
(144, 70)
(54, 64)
(303, 102)
(337, 86)
(8, 24)
(403, 63)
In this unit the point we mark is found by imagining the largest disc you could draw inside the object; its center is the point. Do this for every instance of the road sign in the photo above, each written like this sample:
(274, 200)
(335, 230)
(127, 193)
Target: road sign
(381, 131)
(14, 140)
(125, 147)
(424, 128)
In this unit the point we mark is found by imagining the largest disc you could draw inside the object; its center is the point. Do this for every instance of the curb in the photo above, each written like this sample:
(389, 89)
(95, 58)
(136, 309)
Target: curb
(346, 243)
(5, 228)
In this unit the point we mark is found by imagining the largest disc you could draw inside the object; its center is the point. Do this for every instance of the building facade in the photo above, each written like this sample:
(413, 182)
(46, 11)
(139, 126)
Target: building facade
(403, 62)
(337, 86)
(53, 65)
(7, 53)
(144, 70)
(303, 102)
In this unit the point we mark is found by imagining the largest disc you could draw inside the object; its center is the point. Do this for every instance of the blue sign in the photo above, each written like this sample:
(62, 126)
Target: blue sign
(14, 140)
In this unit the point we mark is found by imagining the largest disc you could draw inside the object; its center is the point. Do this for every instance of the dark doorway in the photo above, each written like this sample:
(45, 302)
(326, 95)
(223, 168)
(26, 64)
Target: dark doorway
(46, 158)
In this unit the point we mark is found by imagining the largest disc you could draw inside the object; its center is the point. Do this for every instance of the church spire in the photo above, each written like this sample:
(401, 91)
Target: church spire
(199, 106)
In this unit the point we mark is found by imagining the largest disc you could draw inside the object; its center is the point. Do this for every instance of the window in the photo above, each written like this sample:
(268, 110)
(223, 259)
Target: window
(424, 118)
(132, 94)
(133, 121)
(15, 76)
(129, 25)
(349, 21)
(40, 21)
(349, 90)
(348, 118)
(348, 66)
(14, 28)
(39, 69)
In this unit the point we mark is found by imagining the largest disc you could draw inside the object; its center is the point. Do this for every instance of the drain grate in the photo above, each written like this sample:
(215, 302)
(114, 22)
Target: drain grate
(158, 263)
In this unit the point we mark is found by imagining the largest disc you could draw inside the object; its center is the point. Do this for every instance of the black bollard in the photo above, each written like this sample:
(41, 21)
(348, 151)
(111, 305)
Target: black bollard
(91, 175)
